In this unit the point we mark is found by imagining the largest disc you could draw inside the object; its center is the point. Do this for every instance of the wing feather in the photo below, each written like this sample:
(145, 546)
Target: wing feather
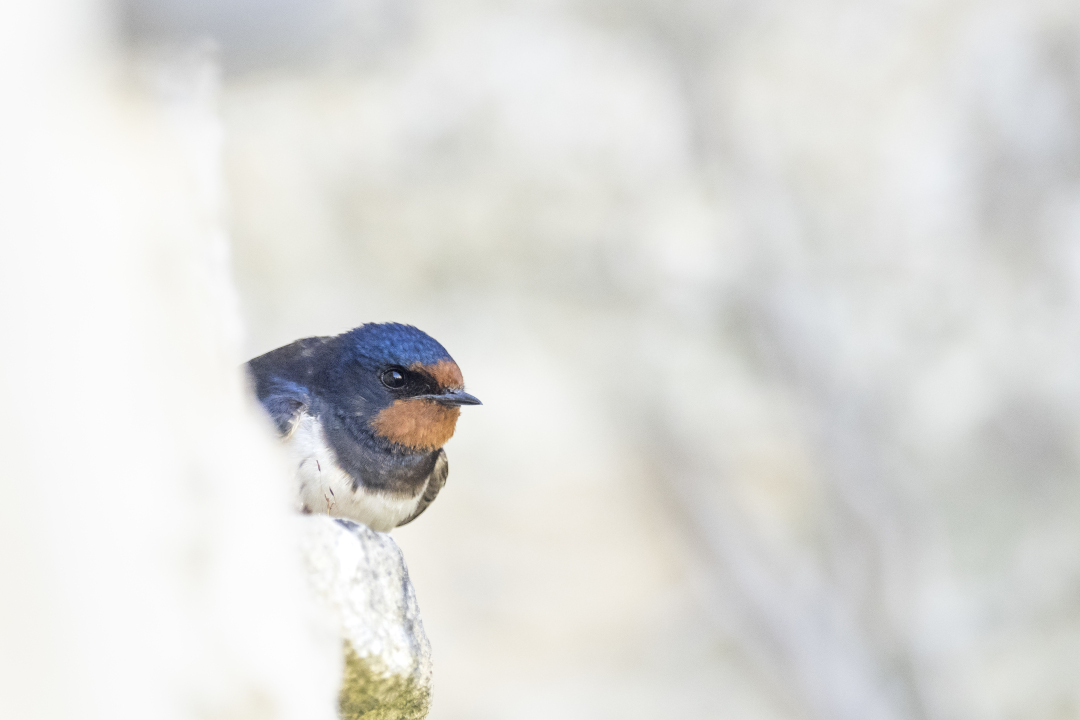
(285, 403)
(435, 483)
(280, 377)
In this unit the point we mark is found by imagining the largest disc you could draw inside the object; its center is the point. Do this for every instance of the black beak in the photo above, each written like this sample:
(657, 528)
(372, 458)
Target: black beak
(453, 398)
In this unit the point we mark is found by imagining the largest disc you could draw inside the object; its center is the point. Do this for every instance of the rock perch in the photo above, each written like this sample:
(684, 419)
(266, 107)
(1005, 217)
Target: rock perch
(359, 576)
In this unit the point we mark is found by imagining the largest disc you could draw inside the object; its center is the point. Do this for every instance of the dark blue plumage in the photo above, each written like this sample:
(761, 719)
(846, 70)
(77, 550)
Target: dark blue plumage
(366, 414)
(395, 344)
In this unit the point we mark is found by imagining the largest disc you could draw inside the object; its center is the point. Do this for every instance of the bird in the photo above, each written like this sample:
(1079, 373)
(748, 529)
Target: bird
(365, 415)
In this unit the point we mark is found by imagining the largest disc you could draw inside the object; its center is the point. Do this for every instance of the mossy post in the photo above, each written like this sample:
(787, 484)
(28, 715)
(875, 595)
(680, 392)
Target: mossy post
(360, 579)
(372, 694)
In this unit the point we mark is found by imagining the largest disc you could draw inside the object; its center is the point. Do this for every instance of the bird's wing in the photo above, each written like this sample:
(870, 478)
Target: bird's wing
(280, 377)
(435, 483)
(285, 402)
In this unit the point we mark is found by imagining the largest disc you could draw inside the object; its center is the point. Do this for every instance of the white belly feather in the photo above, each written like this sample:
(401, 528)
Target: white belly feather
(325, 488)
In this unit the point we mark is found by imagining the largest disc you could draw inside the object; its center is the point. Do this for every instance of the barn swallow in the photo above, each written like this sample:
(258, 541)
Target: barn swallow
(365, 415)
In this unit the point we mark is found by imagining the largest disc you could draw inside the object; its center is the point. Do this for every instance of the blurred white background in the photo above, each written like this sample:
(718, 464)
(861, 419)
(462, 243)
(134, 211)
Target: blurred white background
(774, 308)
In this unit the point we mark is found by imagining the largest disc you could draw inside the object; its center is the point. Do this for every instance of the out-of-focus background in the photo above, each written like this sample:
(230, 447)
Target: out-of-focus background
(774, 308)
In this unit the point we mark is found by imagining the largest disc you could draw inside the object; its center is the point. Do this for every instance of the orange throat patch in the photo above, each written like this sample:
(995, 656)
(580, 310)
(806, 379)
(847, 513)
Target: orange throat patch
(416, 424)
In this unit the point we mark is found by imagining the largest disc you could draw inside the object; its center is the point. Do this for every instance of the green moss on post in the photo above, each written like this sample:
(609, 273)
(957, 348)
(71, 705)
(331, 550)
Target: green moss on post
(372, 695)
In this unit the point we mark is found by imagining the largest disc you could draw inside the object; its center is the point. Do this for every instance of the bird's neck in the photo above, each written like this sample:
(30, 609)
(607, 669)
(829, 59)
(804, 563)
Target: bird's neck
(375, 462)
(358, 429)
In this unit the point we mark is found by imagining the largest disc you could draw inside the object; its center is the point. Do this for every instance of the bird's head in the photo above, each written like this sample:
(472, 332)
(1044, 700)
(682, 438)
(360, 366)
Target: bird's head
(404, 383)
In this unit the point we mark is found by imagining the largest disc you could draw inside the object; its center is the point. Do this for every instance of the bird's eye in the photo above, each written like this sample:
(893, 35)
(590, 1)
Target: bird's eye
(393, 379)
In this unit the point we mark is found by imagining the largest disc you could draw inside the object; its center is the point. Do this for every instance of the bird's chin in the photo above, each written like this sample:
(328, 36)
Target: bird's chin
(417, 424)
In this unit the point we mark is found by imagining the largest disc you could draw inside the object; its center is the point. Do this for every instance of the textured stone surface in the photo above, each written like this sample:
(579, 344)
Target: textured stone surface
(359, 576)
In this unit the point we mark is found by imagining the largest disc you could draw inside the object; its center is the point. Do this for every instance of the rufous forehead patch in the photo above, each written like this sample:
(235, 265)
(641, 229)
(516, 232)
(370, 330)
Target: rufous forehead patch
(417, 424)
(444, 372)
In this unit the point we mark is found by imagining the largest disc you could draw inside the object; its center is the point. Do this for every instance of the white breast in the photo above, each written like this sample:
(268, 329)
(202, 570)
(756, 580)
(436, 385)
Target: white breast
(325, 488)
